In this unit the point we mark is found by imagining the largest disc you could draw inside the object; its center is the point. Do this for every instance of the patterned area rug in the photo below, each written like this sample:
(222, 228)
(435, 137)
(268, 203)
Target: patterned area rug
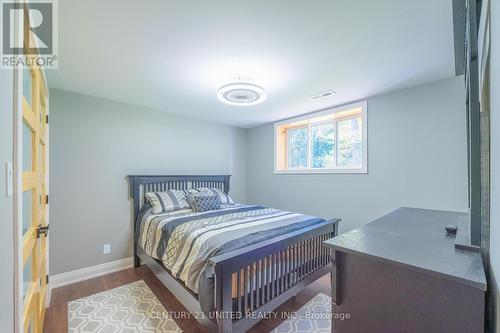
(313, 317)
(130, 308)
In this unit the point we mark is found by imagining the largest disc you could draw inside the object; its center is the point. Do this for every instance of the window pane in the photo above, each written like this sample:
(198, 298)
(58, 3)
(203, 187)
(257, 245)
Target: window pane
(323, 138)
(27, 210)
(27, 275)
(27, 148)
(297, 150)
(27, 84)
(350, 143)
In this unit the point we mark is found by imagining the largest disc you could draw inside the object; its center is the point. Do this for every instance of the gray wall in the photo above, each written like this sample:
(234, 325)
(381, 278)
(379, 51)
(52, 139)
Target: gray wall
(495, 162)
(96, 143)
(417, 157)
(6, 203)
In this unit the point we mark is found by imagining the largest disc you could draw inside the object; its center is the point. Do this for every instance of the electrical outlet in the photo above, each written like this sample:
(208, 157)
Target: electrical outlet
(107, 248)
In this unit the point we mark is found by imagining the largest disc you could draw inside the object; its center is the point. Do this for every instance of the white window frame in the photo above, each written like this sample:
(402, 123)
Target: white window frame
(346, 170)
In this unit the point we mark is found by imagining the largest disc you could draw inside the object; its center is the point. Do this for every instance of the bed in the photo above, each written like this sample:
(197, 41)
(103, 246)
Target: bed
(228, 267)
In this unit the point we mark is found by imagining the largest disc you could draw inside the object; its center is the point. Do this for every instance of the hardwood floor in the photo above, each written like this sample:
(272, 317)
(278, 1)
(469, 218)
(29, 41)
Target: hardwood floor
(56, 318)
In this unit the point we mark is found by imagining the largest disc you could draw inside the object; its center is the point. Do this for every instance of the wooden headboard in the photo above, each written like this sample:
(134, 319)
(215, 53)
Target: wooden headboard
(140, 184)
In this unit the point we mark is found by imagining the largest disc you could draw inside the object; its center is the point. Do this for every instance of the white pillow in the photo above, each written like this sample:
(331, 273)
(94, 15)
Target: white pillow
(167, 201)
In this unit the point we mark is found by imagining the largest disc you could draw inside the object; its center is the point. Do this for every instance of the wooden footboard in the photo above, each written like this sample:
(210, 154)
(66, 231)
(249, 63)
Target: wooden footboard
(267, 274)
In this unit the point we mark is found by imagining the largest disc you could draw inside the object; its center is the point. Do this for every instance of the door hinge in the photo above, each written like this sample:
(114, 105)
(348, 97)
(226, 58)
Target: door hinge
(47, 199)
(47, 119)
(42, 230)
(46, 279)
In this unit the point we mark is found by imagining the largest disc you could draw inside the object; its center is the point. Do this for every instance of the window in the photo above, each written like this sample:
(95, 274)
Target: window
(332, 141)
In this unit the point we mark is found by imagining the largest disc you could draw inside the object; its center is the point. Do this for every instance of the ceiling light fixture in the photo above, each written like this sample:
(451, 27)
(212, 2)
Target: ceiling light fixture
(241, 93)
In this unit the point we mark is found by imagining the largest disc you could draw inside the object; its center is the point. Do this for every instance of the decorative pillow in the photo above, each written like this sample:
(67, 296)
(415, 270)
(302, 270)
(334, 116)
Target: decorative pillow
(167, 201)
(223, 197)
(203, 201)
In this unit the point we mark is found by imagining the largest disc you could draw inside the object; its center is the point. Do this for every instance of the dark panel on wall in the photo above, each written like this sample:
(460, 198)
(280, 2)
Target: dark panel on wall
(459, 35)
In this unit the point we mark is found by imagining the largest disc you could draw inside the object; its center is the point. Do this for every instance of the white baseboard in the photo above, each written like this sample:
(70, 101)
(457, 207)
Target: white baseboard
(86, 273)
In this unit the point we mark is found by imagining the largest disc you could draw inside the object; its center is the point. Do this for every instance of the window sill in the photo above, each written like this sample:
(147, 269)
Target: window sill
(321, 171)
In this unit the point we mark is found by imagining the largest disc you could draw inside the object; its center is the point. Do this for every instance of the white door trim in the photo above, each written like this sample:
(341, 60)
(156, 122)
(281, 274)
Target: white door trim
(18, 187)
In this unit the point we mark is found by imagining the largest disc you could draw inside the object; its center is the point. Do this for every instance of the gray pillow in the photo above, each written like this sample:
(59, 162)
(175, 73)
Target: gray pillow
(203, 201)
(223, 197)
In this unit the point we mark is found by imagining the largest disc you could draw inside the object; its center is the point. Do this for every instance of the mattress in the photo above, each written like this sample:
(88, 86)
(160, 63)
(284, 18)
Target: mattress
(184, 240)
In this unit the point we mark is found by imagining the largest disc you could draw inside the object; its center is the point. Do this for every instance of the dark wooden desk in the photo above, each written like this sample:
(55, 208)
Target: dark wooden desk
(402, 273)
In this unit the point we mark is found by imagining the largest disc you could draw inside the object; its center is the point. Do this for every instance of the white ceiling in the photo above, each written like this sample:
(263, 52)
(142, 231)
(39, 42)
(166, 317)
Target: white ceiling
(173, 55)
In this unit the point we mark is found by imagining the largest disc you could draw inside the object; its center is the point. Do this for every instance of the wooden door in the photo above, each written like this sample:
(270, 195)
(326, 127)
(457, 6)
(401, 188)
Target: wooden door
(34, 199)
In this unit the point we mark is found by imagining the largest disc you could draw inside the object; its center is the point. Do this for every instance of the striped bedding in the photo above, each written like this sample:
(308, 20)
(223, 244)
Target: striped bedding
(184, 240)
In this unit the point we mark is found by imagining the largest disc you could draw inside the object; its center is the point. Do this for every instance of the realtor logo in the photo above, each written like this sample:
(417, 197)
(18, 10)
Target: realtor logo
(29, 34)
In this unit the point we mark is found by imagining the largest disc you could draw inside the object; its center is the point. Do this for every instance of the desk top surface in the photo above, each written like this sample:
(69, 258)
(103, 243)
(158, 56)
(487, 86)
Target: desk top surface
(416, 239)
